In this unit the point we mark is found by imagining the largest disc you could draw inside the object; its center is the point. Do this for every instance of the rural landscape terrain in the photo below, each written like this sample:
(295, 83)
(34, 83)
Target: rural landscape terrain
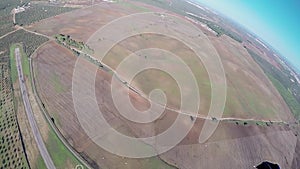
(42, 43)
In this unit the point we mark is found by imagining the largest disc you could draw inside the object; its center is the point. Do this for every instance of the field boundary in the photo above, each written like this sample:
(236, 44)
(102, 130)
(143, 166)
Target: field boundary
(47, 117)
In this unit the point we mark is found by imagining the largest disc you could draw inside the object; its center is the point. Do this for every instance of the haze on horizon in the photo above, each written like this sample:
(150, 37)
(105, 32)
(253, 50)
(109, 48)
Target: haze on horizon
(276, 22)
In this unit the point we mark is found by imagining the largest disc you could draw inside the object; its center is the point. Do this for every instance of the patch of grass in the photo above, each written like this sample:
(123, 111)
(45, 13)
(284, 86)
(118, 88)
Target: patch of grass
(281, 79)
(283, 75)
(60, 155)
(13, 67)
(287, 96)
(25, 62)
(156, 162)
(58, 86)
(40, 163)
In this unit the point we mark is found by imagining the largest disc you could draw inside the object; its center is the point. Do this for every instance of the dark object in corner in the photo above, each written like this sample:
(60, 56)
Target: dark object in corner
(267, 165)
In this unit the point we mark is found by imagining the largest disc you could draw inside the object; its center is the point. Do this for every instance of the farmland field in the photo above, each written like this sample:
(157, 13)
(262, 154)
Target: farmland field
(11, 146)
(64, 111)
(283, 81)
(248, 86)
(54, 145)
(56, 37)
(148, 80)
(53, 58)
(235, 108)
(76, 23)
(248, 93)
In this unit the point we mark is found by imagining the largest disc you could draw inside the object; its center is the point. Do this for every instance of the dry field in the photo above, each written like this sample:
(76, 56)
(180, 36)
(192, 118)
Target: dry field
(235, 146)
(151, 79)
(242, 145)
(249, 93)
(81, 24)
(249, 90)
(54, 59)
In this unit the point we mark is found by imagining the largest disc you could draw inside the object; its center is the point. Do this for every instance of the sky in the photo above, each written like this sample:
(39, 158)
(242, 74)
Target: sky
(275, 21)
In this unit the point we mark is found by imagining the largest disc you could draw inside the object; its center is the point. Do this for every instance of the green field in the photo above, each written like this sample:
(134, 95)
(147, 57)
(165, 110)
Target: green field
(25, 62)
(40, 163)
(60, 155)
(281, 80)
(13, 68)
(287, 96)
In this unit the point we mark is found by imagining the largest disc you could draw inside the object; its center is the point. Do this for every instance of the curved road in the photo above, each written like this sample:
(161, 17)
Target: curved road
(36, 133)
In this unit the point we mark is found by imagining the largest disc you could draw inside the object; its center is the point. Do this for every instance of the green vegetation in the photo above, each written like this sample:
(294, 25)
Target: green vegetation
(75, 46)
(7, 5)
(13, 67)
(218, 29)
(25, 62)
(254, 122)
(37, 12)
(70, 43)
(58, 86)
(156, 162)
(283, 76)
(6, 19)
(6, 24)
(60, 155)
(281, 79)
(12, 154)
(67, 40)
(40, 163)
(29, 41)
(287, 96)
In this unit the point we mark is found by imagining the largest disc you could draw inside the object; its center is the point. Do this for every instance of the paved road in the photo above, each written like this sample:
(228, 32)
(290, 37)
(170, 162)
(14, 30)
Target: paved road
(36, 133)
